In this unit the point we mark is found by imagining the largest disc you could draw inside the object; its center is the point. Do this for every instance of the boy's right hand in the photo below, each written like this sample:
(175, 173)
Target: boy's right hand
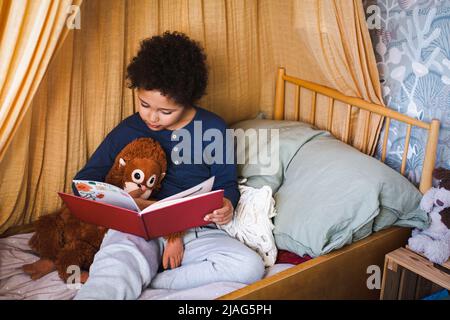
(142, 203)
(136, 193)
(173, 253)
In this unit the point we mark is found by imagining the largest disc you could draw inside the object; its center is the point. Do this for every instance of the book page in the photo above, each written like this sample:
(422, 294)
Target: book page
(204, 187)
(199, 189)
(105, 193)
(163, 204)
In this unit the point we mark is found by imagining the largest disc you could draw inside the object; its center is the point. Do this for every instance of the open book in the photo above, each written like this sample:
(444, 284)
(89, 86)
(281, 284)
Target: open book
(106, 205)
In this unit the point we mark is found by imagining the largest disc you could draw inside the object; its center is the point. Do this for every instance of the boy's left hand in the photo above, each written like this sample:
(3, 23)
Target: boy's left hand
(222, 215)
(173, 253)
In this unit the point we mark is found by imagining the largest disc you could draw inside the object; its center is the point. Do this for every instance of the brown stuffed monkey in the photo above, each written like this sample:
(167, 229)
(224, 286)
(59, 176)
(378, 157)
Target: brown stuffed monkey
(62, 240)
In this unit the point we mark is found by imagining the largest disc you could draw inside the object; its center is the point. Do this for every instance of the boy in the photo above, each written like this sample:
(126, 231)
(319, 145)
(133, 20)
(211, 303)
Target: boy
(170, 75)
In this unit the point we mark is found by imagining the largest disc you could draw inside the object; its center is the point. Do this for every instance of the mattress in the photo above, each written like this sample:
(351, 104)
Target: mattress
(15, 284)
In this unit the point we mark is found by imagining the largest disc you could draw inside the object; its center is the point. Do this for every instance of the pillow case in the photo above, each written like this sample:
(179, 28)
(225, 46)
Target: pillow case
(266, 164)
(333, 195)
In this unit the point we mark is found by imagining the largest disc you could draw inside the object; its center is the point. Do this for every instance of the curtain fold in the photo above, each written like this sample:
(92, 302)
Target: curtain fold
(84, 95)
(30, 31)
(326, 42)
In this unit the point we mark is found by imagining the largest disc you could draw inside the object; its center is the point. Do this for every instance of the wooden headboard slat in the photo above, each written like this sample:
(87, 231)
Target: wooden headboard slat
(405, 151)
(357, 102)
(387, 126)
(354, 102)
(330, 114)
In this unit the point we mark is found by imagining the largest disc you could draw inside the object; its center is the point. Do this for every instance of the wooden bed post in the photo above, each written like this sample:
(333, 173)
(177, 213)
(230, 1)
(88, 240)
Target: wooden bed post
(426, 181)
(279, 95)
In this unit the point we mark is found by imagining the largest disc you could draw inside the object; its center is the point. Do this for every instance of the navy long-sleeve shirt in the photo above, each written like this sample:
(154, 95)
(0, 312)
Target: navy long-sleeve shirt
(184, 170)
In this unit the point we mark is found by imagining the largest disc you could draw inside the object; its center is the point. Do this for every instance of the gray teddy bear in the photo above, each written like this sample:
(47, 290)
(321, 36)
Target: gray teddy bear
(434, 242)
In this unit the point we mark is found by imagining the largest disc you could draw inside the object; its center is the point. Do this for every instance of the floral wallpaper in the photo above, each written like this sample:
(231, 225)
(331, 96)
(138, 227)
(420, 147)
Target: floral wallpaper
(411, 39)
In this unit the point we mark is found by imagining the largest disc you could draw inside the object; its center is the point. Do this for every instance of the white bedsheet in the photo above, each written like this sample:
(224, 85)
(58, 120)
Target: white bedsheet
(15, 284)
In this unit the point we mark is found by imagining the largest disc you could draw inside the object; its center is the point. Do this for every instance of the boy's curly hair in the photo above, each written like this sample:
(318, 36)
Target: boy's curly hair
(171, 63)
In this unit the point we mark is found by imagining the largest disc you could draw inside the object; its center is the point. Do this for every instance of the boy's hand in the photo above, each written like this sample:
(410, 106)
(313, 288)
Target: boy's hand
(222, 215)
(136, 193)
(142, 203)
(173, 253)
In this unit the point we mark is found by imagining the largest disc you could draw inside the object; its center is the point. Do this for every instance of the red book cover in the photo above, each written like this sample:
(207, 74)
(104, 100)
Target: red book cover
(157, 220)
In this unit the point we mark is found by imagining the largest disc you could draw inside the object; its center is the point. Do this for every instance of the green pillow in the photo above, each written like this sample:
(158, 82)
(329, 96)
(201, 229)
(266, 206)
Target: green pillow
(290, 135)
(333, 195)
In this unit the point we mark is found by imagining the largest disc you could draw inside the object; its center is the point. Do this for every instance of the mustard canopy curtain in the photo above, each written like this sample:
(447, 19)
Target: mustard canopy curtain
(83, 95)
(29, 34)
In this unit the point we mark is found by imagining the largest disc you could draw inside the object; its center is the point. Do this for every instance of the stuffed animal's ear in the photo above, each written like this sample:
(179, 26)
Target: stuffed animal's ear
(121, 162)
(161, 177)
(444, 176)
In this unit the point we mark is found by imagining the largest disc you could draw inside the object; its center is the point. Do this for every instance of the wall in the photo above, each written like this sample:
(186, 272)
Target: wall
(412, 47)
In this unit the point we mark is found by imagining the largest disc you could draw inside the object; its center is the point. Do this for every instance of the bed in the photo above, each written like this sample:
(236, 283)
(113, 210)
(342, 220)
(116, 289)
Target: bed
(16, 285)
(341, 274)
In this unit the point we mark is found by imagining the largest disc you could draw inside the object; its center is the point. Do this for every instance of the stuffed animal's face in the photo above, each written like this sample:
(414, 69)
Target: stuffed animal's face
(144, 174)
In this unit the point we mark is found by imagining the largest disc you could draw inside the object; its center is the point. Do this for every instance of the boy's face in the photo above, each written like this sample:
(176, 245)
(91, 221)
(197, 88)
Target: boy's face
(159, 112)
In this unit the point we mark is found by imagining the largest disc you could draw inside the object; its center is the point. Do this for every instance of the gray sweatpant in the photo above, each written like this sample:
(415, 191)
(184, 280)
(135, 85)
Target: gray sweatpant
(126, 264)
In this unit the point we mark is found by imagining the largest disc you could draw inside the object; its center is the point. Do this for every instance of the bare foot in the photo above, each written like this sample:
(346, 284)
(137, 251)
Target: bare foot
(39, 268)
(84, 276)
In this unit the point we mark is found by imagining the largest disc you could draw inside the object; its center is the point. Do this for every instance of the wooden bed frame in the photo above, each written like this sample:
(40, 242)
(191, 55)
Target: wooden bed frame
(343, 273)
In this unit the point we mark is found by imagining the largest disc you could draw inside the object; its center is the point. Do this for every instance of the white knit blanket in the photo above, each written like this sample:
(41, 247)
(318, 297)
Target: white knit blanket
(252, 223)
